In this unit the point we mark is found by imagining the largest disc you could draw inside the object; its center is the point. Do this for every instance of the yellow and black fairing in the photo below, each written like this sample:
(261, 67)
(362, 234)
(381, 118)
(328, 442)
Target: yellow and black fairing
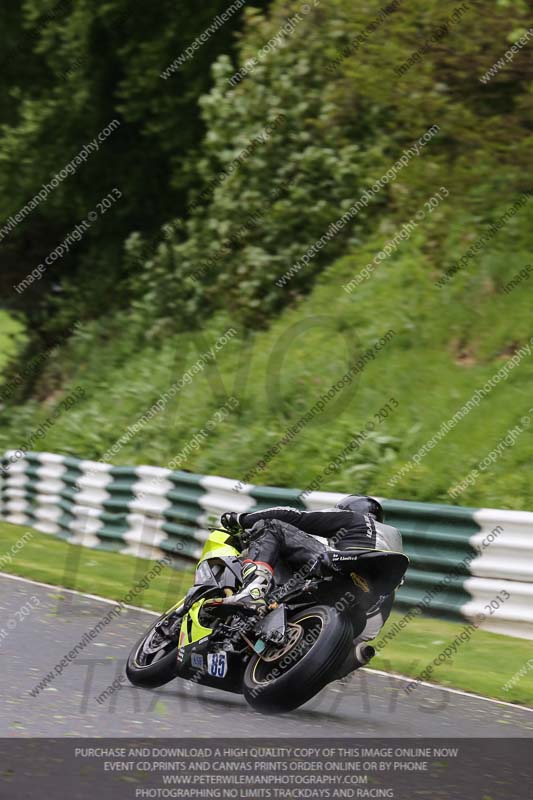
(218, 574)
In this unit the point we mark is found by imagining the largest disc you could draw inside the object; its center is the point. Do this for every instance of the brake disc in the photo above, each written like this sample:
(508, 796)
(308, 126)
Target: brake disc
(155, 642)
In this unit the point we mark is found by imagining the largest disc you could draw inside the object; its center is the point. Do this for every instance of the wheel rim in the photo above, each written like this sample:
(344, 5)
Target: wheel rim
(278, 661)
(296, 632)
(152, 649)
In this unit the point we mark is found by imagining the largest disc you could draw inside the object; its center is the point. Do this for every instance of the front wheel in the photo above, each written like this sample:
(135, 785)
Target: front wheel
(153, 660)
(283, 678)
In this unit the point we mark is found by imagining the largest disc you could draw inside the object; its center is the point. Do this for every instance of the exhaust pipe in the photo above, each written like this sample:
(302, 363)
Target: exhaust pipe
(363, 653)
(358, 657)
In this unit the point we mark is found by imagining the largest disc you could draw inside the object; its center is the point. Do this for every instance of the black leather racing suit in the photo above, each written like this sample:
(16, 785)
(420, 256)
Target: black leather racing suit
(288, 533)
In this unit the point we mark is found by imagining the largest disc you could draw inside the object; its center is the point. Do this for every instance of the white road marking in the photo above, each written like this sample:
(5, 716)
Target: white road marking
(395, 675)
(407, 679)
(81, 594)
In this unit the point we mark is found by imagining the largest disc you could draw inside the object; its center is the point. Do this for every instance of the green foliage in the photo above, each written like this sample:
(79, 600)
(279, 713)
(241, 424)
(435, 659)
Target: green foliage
(346, 117)
(70, 69)
(448, 342)
(12, 339)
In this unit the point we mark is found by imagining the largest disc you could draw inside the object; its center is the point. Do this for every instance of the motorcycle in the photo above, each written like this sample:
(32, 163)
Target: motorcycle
(282, 658)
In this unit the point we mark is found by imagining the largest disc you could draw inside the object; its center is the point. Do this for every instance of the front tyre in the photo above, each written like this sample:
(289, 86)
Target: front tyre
(283, 678)
(153, 660)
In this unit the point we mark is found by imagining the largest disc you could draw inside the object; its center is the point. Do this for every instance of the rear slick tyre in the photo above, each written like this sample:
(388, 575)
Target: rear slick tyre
(281, 679)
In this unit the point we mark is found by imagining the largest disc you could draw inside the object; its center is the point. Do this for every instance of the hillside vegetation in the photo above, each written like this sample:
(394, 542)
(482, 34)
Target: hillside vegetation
(436, 260)
(11, 340)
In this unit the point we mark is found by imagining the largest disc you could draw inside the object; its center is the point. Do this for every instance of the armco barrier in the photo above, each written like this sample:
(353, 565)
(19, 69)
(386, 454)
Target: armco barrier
(461, 559)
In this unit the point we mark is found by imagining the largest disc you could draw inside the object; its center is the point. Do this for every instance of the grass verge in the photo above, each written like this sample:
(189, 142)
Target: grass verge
(483, 664)
(50, 560)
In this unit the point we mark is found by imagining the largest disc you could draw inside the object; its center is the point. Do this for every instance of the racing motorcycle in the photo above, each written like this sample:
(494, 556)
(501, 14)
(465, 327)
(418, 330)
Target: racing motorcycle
(282, 658)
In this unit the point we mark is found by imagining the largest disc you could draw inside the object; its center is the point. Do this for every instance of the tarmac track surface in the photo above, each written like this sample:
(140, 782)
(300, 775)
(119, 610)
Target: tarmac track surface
(371, 704)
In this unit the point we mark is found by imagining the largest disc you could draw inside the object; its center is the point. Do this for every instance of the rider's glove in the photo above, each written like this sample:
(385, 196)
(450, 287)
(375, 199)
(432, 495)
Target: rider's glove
(230, 521)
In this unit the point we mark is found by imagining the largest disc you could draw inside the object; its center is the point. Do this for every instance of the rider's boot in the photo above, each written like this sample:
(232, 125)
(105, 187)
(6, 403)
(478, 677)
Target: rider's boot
(257, 579)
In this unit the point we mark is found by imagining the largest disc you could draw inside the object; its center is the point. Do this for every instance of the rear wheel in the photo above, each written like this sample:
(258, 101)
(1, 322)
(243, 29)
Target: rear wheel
(283, 678)
(153, 660)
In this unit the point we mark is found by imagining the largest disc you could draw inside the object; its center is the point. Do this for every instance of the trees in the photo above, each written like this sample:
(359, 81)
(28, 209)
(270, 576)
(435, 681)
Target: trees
(70, 69)
(356, 86)
(223, 196)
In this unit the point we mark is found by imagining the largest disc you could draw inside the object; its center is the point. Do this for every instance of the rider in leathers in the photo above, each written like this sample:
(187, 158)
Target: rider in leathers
(356, 523)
